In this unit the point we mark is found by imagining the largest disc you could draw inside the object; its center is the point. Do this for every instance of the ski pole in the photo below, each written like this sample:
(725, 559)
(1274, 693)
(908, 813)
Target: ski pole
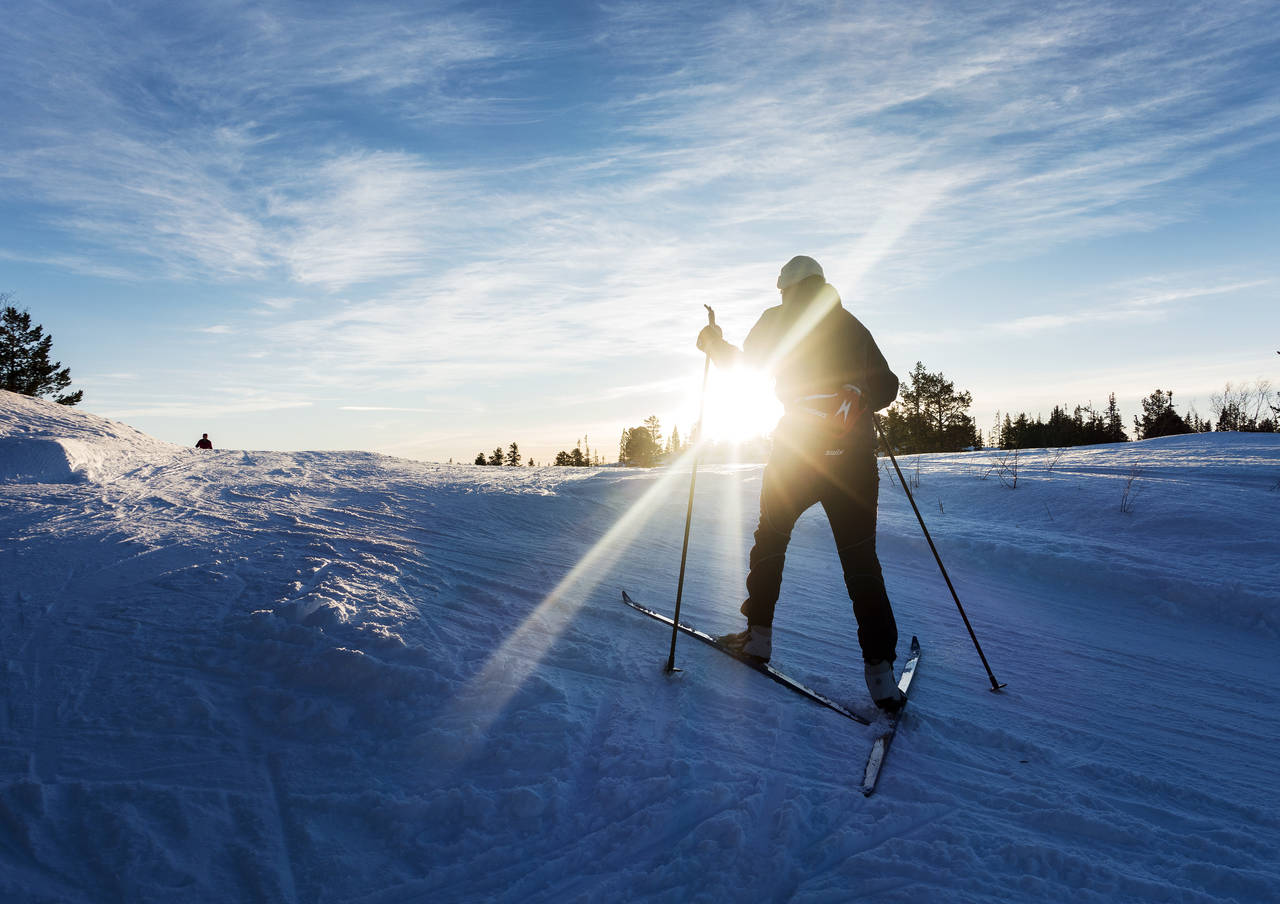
(688, 518)
(995, 685)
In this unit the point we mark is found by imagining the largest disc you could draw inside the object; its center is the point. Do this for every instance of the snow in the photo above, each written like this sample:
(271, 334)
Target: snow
(268, 676)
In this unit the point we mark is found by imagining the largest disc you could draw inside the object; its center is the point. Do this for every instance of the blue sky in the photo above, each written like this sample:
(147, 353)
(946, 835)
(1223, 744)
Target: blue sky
(430, 229)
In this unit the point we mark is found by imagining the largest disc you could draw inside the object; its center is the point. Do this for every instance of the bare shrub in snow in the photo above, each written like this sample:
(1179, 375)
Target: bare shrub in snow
(1009, 463)
(1130, 490)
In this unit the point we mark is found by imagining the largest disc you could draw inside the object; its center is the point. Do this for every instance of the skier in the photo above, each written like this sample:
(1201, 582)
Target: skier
(204, 442)
(830, 376)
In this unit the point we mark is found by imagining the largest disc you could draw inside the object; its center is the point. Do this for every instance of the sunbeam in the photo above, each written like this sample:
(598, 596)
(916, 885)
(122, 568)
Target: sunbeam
(483, 698)
(731, 524)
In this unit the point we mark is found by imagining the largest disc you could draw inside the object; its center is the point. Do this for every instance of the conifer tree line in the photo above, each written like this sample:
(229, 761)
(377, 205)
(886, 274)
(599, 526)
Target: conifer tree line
(931, 415)
(1246, 408)
(498, 458)
(1084, 426)
(580, 456)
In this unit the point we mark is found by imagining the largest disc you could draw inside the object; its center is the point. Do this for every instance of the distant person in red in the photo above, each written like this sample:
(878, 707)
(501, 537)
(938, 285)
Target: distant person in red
(204, 442)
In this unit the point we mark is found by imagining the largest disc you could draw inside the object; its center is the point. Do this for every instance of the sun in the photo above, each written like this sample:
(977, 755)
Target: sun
(740, 405)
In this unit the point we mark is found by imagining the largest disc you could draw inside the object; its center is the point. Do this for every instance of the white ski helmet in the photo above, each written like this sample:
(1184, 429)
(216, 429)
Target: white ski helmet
(799, 267)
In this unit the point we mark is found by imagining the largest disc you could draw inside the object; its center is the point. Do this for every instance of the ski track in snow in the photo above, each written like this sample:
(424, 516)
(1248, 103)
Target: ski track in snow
(264, 676)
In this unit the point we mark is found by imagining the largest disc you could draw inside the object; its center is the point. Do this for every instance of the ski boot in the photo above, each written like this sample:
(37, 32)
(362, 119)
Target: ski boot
(882, 686)
(755, 643)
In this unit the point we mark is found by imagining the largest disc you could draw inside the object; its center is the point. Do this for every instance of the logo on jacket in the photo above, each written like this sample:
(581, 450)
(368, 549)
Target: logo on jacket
(837, 411)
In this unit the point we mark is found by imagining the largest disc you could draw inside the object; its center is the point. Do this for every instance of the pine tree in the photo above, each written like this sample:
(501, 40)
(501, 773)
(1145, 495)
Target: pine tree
(480, 459)
(655, 432)
(931, 416)
(496, 457)
(1114, 431)
(24, 359)
(1159, 418)
(513, 455)
(1006, 433)
(640, 450)
(1022, 429)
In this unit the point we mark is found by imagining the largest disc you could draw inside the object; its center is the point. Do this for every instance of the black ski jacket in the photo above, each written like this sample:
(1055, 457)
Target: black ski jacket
(835, 350)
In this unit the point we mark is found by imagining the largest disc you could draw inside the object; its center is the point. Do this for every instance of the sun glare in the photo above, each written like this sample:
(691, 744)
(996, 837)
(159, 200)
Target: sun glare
(740, 405)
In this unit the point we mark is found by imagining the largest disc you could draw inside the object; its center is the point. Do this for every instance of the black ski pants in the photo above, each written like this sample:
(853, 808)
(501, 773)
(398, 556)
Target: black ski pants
(845, 483)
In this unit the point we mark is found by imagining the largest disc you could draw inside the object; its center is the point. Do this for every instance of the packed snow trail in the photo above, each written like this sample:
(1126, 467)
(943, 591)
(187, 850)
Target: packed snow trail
(344, 677)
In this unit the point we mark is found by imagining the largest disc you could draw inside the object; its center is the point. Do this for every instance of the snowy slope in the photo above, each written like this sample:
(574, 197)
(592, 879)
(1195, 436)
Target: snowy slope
(261, 676)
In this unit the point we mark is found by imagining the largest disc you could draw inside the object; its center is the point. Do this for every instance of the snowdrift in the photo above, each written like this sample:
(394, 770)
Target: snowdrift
(41, 442)
(271, 676)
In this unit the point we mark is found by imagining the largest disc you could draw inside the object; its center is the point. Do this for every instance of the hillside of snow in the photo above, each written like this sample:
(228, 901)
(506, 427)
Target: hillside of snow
(304, 676)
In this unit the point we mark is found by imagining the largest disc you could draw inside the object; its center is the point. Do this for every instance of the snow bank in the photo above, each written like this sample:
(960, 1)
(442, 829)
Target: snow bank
(43, 442)
(33, 460)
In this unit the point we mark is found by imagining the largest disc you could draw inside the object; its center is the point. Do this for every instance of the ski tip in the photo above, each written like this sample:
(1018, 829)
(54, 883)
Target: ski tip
(915, 641)
(626, 597)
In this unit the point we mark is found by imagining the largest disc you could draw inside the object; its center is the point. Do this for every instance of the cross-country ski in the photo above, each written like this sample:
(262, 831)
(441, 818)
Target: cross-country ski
(879, 747)
(763, 668)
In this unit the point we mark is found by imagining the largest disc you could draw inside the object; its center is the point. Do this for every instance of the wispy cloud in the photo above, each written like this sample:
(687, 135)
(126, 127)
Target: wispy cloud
(1039, 126)
(200, 407)
(216, 146)
(1145, 300)
(426, 202)
(72, 263)
(984, 130)
(1142, 303)
(381, 408)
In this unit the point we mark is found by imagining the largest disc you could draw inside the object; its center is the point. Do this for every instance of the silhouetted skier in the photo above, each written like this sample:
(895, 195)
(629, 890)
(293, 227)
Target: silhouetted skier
(204, 442)
(830, 376)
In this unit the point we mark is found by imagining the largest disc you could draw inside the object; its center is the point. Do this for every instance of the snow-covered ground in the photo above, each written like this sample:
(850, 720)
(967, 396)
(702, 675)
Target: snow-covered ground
(264, 676)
